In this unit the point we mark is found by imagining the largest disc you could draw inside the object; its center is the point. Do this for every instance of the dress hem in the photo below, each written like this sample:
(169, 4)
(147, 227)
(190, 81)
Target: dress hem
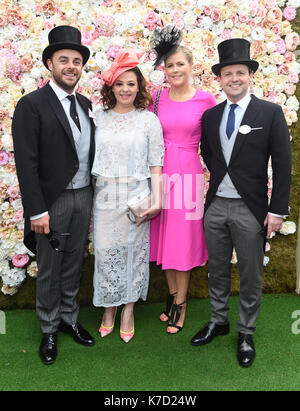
(118, 304)
(168, 267)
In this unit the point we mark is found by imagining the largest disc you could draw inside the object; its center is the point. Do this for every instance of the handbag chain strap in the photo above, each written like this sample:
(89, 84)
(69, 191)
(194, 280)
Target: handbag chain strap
(156, 101)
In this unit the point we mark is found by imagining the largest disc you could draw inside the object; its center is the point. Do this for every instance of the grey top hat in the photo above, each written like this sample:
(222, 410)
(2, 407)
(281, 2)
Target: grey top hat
(234, 51)
(65, 37)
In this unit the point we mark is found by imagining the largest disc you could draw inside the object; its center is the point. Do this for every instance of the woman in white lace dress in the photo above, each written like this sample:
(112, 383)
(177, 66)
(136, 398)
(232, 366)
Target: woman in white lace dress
(128, 162)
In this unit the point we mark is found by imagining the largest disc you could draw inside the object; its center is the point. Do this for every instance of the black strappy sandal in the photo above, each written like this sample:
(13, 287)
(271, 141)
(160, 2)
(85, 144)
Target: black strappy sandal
(169, 304)
(174, 317)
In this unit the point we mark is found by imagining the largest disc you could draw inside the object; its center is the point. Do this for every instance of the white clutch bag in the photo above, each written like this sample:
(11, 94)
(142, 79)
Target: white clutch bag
(137, 205)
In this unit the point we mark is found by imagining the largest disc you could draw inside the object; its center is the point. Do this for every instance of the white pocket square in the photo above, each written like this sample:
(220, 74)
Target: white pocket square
(245, 129)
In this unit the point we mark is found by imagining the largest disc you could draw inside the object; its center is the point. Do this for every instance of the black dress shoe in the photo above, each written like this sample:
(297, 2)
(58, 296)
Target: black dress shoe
(79, 334)
(48, 348)
(246, 350)
(208, 333)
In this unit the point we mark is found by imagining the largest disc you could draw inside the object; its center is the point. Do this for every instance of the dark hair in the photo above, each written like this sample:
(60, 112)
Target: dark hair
(143, 98)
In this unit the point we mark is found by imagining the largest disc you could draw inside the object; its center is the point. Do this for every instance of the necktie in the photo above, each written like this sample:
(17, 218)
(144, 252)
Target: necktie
(230, 120)
(73, 112)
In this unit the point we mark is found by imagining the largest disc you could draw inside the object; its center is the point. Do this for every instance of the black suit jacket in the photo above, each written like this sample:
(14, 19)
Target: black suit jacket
(45, 153)
(248, 165)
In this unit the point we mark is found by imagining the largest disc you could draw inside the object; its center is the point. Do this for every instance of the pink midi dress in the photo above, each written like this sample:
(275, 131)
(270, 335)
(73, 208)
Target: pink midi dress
(176, 234)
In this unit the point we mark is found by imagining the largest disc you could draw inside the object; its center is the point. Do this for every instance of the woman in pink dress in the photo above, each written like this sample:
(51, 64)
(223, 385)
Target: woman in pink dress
(176, 235)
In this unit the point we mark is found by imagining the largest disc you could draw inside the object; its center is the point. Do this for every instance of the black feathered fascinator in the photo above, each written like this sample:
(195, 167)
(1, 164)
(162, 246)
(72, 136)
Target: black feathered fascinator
(164, 42)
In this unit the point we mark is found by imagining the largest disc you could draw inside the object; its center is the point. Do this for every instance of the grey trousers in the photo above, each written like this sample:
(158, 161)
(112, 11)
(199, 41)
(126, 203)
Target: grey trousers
(229, 223)
(58, 278)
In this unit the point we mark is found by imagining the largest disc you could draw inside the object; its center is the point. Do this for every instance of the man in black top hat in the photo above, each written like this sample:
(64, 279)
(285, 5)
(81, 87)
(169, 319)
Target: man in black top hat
(239, 136)
(53, 138)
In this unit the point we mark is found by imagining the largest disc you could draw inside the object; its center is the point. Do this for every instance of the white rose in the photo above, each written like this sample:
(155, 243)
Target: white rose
(206, 23)
(293, 3)
(28, 5)
(288, 227)
(6, 142)
(189, 19)
(292, 103)
(133, 18)
(258, 33)
(228, 24)
(270, 70)
(157, 77)
(14, 277)
(146, 68)
(271, 47)
(4, 206)
(102, 61)
(117, 41)
(35, 73)
(294, 67)
(258, 91)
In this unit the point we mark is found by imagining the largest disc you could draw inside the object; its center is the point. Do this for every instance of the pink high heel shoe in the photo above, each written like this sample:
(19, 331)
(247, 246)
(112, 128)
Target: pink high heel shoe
(104, 330)
(126, 336)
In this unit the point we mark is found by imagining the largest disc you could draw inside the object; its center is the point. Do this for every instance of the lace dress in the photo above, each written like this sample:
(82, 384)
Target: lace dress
(126, 145)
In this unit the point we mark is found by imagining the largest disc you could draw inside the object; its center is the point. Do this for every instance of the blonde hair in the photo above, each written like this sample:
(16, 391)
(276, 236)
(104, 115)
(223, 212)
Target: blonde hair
(187, 52)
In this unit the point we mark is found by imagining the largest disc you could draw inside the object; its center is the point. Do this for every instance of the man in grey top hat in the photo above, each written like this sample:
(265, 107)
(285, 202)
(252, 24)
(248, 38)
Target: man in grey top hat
(239, 136)
(54, 147)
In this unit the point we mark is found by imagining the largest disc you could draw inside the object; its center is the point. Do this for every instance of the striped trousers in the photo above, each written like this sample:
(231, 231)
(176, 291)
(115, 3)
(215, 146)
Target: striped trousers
(58, 278)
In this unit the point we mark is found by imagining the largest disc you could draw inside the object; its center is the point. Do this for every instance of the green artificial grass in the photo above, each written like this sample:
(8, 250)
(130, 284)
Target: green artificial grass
(154, 360)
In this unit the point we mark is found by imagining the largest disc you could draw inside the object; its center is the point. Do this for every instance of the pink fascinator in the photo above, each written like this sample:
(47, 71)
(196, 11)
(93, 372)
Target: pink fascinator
(126, 59)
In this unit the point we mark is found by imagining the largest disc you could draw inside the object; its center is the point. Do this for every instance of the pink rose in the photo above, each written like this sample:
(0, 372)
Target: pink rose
(96, 83)
(3, 21)
(107, 3)
(215, 15)
(293, 78)
(48, 25)
(243, 18)
(291, 41)
(234, 18)
(87, 37)
(280, 46)
(283, 69)
(151, 20)
(13, 192)
(289, 13)
(105, 25)
(274, 16)
(289, 57)
(112, 52)
(226, 35)
(270, 4)
(207, 10)
(18, 216)
(176, 14)
(3, 158)
(20, 260)
(179, 24)
(252, 24)
(290, 89)
(277, 29)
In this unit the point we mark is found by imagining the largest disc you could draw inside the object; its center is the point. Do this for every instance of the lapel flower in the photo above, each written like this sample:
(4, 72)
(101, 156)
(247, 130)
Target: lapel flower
(92, 116)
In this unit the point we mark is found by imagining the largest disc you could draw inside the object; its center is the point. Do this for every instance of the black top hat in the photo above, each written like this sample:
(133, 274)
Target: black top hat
(234, 51)
(65, 37)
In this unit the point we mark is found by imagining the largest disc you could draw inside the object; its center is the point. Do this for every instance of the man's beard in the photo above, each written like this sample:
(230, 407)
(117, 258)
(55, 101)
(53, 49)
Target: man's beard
(65, 86)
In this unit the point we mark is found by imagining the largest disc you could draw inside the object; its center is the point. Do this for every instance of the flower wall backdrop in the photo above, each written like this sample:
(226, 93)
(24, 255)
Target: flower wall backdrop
(107, 25)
